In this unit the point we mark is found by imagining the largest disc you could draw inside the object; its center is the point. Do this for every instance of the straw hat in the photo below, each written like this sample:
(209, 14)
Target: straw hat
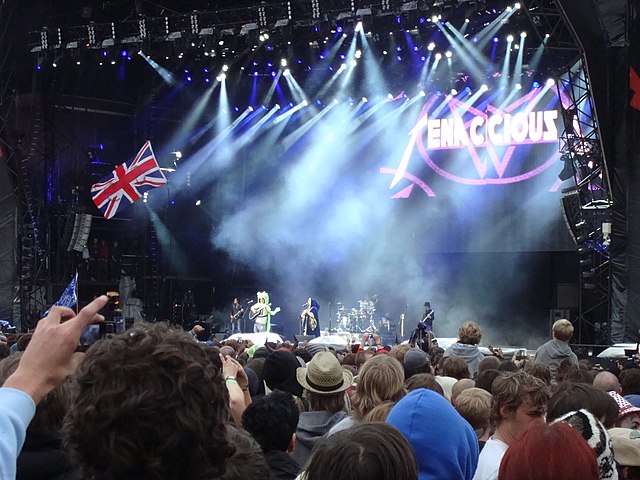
(324, 375)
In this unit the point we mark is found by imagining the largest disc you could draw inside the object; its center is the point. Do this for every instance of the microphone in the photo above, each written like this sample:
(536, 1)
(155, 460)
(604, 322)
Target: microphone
(249, 302)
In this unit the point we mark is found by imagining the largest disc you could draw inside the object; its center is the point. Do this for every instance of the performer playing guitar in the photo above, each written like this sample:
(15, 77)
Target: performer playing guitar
(262, 313)
(237, 310)
(309, 316)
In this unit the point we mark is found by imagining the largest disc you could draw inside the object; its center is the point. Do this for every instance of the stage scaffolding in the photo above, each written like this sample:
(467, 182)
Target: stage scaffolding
(587, 203)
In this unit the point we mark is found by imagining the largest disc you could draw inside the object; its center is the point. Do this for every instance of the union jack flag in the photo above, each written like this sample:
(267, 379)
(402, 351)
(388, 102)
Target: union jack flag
(129, 181)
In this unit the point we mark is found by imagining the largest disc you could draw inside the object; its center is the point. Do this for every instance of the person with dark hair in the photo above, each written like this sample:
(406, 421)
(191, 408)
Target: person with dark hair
(543, 451)
(630, 382)
(539, 370)
(367, 451)
(518, 401)
(455, 367)
(423, 380)
(279, 372)
(485, 379)
(162, 413)
(489, 363)
(247, 461)
(325, 382)
(310, 319)
(469, 336)
(507, 366)
(272, 420)
(573, 396)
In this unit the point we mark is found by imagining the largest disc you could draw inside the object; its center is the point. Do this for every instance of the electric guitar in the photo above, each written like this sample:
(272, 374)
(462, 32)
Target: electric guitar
(234, 318)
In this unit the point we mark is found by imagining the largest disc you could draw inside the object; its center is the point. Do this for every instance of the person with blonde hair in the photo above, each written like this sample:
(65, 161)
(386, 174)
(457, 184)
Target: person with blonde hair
(469, 336)
(557, 349)
(381, 379)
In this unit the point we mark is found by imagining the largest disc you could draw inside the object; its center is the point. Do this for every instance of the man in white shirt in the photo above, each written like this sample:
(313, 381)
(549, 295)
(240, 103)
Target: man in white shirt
(519, 400)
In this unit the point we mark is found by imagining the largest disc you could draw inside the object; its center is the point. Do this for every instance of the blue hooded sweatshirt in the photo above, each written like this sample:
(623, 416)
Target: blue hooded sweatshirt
(445, 445)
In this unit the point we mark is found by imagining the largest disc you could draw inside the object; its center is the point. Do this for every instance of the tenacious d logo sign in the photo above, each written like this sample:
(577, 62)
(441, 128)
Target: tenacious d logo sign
(466, 145)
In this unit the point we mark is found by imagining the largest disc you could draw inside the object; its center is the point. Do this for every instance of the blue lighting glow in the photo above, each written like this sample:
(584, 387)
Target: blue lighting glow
(398, 49)
(236, 109)
(123, 53)
(496, 39)
(422, 20)
(423, 58)
(339, 29)
(398, 58)
(186, 71)
(342, 56)
(39, 67)
(415, 49)
(536, 84)
(439, 93)
(273, 74)
(206, 70)
(206, 80)
(467, 90)
(189, 78)
(398, 20)
(255, 64)
(321, 56)
(255, 74)
(269, 64)
(105, 53)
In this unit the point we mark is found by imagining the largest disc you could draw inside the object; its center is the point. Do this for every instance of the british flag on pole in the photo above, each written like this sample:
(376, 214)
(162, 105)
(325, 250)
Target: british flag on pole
(129, 181)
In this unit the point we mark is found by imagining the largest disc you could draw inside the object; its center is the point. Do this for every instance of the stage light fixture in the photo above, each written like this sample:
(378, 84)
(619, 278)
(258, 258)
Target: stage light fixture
(283, 62)
(496, 39)
(516, 5)
(484, 87)
(550, 82)
(422, 93)
(523, 34)
(510, 38)
(358, 54)
(225, 68)
(431, 47)
(198, 202)
(448, 54)
(434, 18)
(454, 91)
(518, 86)
(364, 100)
(354, 63)
(438, 56)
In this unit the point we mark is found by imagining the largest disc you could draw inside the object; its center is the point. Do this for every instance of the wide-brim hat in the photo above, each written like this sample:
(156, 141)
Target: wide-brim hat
(324, 375)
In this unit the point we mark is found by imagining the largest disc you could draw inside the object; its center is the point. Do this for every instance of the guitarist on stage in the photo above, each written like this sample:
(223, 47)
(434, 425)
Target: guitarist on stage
(237, 310)
(261, 313)
(428, 317)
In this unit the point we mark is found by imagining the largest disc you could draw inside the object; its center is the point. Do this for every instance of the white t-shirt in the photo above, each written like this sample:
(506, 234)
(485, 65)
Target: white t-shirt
(489, 459)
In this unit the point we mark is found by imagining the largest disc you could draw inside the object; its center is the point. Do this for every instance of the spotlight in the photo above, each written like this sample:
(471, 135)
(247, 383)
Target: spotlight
(422, 93)
(54, 65)
(510, 38)
(431, 47)
(484, 88)
(178, 154)
(448, 54)
(286, 72)
(353, 63)
(283, 62)
(454, 91)
(523, 34)
(358, 54)
(438, 56)
(434, 19)
(358, 26)
(221, 77)
(384, 52)
(496, 39)
(518, 86)
(266, 36)
(516, 5)
(536, 85)
(398, 58)
(550, 82)
(364, 100)
(225, 68)
(198, 202)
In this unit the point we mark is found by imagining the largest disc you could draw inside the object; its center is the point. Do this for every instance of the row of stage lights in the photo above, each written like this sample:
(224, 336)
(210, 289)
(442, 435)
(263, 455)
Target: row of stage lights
(110, 59)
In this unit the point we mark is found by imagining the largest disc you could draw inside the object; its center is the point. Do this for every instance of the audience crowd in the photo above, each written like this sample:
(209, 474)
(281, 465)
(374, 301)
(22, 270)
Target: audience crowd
(154, 403)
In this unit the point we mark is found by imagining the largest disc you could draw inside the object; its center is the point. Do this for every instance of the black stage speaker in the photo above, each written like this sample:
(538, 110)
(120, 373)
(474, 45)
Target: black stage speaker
(303, 338)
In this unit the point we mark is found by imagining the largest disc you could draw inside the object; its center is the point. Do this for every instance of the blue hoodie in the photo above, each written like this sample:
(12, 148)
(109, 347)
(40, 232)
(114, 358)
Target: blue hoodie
(445, 445)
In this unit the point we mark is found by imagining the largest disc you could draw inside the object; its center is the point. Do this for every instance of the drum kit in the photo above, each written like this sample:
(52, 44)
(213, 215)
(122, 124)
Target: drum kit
(359, 319)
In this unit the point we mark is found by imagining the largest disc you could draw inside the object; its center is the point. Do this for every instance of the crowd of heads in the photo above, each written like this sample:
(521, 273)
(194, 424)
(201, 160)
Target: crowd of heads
(154, 403)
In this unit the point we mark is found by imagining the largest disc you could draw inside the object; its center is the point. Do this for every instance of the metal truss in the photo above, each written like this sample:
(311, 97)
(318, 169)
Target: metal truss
(587, 203)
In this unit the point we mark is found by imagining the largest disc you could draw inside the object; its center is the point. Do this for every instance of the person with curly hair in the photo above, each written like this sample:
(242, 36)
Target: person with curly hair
(150, 404)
